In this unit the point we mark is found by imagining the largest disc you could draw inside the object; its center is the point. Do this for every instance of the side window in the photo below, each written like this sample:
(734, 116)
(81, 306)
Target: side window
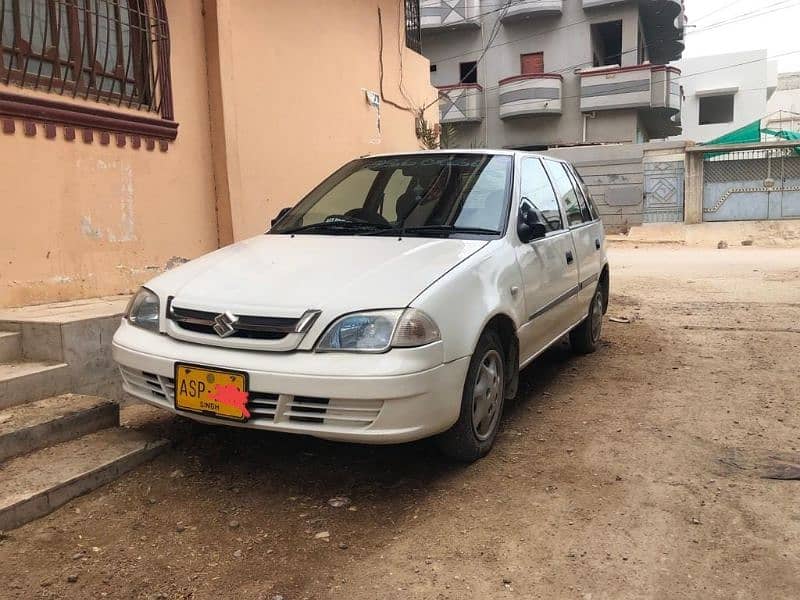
(587, 195)
(566, 193)
(537, 194)
(582, 201)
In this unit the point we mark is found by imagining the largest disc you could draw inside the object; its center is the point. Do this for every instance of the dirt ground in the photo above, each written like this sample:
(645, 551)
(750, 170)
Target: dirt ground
(637, 472)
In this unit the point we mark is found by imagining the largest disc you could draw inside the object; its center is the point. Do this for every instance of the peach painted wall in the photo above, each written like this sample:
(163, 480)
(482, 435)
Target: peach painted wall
(295, 110)
(82, 220)
(269, 97)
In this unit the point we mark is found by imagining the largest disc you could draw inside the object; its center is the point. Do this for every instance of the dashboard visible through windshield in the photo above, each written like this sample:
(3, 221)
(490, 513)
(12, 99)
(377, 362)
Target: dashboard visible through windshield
(414, 195)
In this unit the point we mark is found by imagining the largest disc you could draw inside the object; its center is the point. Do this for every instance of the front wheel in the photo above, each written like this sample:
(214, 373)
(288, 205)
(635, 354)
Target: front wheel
(481, 403)
(585, 338)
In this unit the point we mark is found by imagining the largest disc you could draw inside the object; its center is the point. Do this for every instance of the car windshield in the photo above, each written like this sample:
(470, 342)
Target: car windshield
(415, 195)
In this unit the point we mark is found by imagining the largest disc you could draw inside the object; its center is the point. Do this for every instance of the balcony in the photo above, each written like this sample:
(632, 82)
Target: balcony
(438, 15)
(664, 118)
(663, 24)
(530, 95)
(461, 103)
(519, 10)
(653, 90)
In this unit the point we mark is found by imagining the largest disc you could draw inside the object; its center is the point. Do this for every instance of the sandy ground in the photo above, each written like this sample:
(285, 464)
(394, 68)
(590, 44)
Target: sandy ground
(637, 472)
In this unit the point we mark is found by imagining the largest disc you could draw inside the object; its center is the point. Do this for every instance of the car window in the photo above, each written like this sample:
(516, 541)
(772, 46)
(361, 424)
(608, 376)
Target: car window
(587, 214)
(587, 195)
(537, 194)
(566, 193)
(432, 194)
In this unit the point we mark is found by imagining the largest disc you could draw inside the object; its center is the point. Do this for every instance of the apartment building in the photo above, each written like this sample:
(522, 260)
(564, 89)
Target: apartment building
(533, 74)
(724, 92)
(135, 134)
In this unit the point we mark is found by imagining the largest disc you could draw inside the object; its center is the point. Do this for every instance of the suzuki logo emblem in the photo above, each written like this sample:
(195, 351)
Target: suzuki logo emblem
(225, 324)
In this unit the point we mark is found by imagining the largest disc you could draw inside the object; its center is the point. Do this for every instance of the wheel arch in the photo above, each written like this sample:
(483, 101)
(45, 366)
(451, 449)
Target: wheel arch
(605, 286)
(506, 329)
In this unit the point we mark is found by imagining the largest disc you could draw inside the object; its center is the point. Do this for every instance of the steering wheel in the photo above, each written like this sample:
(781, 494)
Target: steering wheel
(362, 215)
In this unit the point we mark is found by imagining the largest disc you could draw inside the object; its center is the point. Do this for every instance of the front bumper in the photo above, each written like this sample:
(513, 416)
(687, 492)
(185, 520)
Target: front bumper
(400, 396)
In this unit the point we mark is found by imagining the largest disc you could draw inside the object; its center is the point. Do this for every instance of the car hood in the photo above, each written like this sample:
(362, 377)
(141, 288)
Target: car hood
(281, 275)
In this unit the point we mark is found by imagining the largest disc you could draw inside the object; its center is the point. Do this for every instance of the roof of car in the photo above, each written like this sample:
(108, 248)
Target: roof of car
(495, 152)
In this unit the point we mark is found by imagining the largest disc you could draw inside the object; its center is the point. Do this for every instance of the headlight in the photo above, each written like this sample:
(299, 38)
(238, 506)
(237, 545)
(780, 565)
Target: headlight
(143, 310)
(377, 331)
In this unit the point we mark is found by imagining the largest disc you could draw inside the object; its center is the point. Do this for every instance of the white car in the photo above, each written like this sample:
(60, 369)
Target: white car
(398, 300)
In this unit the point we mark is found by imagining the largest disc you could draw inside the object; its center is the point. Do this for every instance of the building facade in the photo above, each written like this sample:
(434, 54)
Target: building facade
(534, 74)
(139, 133)
(725, 92)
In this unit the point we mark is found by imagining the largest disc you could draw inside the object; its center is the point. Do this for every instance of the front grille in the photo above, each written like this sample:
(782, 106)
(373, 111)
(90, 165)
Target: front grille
(303, 409)
(324, 412)
(161, 389)
(262, 406)
(248, 327)
(239, 333)
(334, 412)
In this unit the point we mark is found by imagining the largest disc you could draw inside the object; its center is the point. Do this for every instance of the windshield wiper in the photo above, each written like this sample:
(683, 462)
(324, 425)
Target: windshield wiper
(401, 230)
(336, 226)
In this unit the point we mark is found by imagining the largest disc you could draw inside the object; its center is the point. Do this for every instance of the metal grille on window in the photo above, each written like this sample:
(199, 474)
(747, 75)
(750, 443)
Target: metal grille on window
(413, 30)
(114, 51)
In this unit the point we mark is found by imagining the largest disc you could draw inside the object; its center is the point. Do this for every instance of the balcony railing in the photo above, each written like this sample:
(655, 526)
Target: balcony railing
(610, 88)
(447, 14)
(663, 23)
(523, 9)
(653, 89)
(461, 103)
(530, 95)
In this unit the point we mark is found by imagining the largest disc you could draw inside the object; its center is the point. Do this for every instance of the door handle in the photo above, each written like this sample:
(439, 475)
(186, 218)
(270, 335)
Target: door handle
(597, 244)
(570, 258)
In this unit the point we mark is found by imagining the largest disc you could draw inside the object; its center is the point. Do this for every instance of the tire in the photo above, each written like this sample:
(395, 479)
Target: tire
(467, 440)
(585, 338)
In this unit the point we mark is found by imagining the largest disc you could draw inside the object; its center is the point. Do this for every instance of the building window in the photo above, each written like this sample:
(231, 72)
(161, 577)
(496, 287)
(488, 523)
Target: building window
(413, 29)
(532, 64)
(716, 109)
(113, 51)
(468, 72)
(433, 68)
(606, 43)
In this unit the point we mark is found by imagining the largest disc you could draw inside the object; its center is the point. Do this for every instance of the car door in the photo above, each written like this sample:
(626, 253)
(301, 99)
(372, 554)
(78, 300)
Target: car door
(578, 221)
(548, 266)
(589, 238)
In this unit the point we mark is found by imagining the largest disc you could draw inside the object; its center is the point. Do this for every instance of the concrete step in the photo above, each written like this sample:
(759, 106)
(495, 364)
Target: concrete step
(77, 333)
(10, 346)
(43, 423)
(22, 382)
(34, 485)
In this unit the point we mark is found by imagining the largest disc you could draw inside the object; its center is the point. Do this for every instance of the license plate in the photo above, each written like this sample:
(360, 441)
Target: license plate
(212, 392)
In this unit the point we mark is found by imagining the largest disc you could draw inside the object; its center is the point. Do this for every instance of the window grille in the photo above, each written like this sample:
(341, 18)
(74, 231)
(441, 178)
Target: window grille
(113, 51)
(413, 30)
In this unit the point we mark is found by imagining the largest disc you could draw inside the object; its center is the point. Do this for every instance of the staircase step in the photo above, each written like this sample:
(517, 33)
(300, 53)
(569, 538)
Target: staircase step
(22, 382)
(34, 485)
(10, 346)
(35, 425)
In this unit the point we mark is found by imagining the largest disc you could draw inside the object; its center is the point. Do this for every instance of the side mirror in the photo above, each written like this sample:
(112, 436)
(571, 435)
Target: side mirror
(529, 228)
(281, 213)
